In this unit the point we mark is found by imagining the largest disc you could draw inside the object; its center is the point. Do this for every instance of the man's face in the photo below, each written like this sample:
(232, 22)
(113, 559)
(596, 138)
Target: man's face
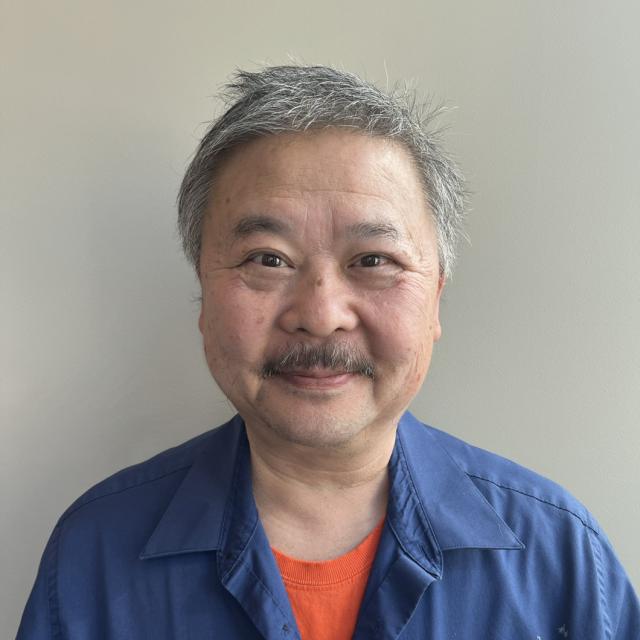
(320, 284)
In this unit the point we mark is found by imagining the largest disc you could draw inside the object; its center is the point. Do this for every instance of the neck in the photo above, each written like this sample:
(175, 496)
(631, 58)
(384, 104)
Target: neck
(316, 504)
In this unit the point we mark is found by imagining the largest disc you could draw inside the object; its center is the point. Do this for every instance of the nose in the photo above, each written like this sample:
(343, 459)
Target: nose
(321, 303)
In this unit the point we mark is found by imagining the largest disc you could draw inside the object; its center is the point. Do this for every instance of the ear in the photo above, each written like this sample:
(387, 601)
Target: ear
(437, 328)
(201, 318)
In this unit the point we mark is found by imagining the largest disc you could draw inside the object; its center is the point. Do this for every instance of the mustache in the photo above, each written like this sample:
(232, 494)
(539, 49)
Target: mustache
(301, 356)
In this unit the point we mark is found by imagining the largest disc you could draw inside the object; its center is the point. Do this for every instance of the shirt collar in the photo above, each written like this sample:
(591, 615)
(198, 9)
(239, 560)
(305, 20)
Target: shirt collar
(194, 519)
(433, 505)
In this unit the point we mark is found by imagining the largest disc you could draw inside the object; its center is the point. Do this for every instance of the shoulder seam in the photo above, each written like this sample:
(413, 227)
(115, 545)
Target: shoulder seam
(72, 510)
(52, 585)
(595, 548)
(542, 500)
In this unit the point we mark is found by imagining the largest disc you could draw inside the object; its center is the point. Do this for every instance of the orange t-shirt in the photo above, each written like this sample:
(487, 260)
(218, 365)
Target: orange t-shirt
(326, 596)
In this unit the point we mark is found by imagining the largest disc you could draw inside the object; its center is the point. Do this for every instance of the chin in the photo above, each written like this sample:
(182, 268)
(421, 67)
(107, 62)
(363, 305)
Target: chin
(317, 429)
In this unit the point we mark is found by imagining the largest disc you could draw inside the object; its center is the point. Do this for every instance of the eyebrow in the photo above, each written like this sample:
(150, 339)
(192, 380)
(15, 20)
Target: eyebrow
(366, 230)
(259, 224)
(268, 224)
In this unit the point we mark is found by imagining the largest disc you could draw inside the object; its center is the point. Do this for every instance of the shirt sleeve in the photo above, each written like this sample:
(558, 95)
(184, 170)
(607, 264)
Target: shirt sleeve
(39, 619)
(621, 607)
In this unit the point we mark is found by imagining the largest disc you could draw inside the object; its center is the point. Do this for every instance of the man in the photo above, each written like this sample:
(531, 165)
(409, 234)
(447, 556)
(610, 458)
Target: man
(321, 219)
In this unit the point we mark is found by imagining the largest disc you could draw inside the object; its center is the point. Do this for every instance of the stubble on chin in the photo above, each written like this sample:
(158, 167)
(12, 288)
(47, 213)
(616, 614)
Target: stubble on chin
(316, 427)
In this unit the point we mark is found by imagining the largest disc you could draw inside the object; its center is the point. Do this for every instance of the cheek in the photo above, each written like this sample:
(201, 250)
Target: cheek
(234, 331)
(404, 325)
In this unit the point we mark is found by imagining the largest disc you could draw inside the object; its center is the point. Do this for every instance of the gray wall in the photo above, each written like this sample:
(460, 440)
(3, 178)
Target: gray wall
(102, 105)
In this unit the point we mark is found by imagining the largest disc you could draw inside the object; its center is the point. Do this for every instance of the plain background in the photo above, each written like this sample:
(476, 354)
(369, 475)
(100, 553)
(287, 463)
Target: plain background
(102, 106)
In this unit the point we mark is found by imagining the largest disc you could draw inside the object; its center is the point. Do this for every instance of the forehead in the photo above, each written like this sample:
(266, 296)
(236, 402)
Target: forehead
(331, 175)
(374, 163)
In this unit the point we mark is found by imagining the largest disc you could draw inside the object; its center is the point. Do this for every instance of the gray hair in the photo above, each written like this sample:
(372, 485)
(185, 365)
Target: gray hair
(285, 99)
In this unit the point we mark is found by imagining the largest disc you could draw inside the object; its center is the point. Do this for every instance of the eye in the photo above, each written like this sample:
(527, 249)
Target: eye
(267, 260)
(372, 260)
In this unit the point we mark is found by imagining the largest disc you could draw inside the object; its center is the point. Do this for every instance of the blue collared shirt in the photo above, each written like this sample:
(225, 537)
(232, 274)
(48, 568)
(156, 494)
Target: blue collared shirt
(474, 547)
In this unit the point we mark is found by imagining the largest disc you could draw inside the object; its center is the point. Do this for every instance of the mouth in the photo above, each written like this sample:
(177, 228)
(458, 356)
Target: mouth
(317, 378)
(315, 372)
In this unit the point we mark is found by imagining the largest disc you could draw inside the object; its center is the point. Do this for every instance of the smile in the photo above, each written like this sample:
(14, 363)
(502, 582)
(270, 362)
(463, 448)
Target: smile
(317, 379)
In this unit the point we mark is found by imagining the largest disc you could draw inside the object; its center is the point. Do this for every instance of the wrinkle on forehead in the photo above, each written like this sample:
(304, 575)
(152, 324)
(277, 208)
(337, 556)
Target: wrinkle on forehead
(289, 191)
(341, 178)
(288, 153)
